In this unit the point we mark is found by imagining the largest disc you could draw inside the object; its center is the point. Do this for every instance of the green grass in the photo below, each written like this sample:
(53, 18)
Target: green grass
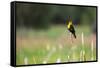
(32, 44)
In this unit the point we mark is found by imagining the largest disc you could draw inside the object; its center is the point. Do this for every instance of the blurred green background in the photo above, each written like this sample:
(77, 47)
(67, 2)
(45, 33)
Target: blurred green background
(44, 15)
(42, 35)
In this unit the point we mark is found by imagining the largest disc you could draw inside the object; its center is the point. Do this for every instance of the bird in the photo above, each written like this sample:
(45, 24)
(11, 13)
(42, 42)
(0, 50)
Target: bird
(70, 27)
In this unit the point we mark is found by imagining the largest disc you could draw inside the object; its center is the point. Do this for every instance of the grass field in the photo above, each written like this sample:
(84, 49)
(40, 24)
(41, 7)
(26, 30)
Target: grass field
(54, 45)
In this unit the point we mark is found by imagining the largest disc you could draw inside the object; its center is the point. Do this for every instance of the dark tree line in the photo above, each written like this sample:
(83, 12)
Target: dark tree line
(42, 15)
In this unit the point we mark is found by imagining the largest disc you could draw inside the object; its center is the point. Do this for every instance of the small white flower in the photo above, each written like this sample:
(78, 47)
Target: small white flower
(25, 61)
(44, 62)
(58, 60)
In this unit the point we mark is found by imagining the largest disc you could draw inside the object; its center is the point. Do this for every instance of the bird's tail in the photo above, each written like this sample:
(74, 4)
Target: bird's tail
(74, 35)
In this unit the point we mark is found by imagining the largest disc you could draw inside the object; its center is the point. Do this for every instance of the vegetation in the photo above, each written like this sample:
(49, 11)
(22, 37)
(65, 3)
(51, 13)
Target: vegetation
(47, 46)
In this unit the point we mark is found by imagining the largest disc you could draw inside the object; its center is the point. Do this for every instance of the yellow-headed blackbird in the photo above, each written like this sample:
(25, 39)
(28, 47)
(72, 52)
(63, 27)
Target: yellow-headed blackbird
(71, 27)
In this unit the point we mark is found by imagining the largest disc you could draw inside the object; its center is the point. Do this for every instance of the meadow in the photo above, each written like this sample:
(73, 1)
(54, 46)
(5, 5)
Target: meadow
(54, 45)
